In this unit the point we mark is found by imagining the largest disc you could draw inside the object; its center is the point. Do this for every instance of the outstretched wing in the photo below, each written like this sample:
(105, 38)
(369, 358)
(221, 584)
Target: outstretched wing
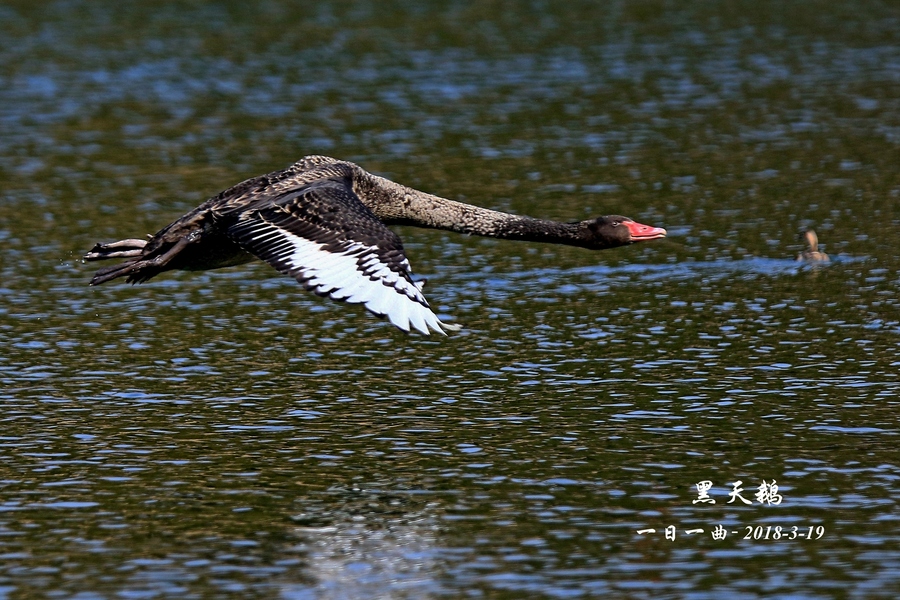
(325, 237)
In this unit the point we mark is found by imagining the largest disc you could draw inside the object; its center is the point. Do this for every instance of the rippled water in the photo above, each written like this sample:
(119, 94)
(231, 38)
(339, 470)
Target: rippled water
(226, 434)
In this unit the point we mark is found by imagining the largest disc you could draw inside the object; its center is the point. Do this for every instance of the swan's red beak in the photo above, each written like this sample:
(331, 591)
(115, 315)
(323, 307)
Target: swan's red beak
(640, 233)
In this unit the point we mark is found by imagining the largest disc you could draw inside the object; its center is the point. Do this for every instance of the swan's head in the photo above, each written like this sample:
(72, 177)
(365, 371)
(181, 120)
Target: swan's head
(615, 230)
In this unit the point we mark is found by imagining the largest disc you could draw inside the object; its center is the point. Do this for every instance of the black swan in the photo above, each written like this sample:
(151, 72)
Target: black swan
(324, 222)
(812, 253)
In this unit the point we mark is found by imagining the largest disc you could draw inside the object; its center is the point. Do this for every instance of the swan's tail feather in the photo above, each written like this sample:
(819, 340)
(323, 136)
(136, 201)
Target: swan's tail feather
(137, 270)
(131, 248)
(120, 249)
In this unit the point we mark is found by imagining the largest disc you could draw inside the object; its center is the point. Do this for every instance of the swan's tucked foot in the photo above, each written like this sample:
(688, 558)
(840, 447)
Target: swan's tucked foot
(109, 273)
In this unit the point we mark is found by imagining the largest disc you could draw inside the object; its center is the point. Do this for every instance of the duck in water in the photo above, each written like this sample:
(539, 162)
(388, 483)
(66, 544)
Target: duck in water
(812, 253)
(325, 222)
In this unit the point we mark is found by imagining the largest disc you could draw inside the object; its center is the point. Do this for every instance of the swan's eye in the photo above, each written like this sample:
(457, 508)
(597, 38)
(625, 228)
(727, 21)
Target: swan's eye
(616, 223)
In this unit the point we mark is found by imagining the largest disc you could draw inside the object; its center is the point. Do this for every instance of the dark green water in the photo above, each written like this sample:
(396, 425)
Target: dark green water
(225, 434)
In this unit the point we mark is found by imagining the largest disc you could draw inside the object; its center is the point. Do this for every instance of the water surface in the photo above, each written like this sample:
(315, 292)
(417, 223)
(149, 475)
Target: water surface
(225, 434)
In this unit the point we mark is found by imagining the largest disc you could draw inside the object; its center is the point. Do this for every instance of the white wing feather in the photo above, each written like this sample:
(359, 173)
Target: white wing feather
(354, 274)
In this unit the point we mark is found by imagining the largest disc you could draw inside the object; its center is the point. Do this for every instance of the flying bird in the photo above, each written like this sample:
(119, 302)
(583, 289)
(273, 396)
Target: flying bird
(325, 222)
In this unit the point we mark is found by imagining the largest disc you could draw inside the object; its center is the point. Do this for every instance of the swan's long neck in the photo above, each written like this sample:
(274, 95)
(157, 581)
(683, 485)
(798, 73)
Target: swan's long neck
(400, 205)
